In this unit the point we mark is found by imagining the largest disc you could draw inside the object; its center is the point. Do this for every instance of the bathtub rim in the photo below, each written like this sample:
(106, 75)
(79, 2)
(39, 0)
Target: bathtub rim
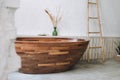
(81, 40)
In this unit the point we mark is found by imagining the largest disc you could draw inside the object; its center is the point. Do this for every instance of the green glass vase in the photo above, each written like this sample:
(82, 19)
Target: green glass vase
(55, 33)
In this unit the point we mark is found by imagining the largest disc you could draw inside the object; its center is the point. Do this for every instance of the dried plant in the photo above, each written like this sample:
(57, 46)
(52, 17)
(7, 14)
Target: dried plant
(117, 47)
(54, 19)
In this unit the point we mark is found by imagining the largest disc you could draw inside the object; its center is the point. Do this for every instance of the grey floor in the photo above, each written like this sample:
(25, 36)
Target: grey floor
(110, 70)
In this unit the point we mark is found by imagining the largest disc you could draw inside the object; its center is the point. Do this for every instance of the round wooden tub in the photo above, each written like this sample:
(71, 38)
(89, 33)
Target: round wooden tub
(49, 55)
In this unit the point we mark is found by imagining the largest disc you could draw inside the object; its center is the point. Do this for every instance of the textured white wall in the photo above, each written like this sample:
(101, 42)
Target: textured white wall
(8, 56)
(32, 20)
(111, 17)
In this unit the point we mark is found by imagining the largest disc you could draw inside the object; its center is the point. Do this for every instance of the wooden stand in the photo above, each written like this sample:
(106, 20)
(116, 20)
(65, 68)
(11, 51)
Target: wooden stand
(91, 33)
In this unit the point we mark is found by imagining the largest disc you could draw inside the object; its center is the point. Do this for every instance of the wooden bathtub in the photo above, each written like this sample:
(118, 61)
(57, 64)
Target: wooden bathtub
(49, 54)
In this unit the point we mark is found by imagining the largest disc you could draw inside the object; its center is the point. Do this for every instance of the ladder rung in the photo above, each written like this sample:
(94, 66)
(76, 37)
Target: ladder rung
(94, 32)
(93, 17)
(92, 3)
(95, 47)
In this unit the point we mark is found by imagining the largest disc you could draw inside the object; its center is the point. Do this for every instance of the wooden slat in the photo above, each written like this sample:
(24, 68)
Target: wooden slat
(62, 63)
(95, 47)
(36, 52)
(53, 64)
(93, 17)
(58, 53)
(109, 48)
(94, 32)
(44, 65)
(91, 3)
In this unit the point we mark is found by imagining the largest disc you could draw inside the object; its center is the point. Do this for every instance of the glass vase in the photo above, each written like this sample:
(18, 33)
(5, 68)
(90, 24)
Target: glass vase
(55, 33)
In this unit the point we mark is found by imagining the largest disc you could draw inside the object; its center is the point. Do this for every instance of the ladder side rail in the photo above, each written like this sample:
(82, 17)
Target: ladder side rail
(88, 51)
(101, 40)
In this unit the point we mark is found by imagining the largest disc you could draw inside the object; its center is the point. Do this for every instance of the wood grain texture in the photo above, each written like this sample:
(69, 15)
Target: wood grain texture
(49, 55)
(108, 45)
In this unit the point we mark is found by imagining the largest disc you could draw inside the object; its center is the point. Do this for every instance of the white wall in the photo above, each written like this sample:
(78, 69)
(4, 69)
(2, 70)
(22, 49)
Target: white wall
(32, 20)
(111, 17)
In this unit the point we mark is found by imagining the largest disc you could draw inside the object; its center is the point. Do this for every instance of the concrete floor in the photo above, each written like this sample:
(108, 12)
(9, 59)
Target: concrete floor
(110, 70)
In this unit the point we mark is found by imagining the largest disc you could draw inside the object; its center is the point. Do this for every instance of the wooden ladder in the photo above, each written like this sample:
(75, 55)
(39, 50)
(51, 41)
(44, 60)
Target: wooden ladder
(98, 33)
